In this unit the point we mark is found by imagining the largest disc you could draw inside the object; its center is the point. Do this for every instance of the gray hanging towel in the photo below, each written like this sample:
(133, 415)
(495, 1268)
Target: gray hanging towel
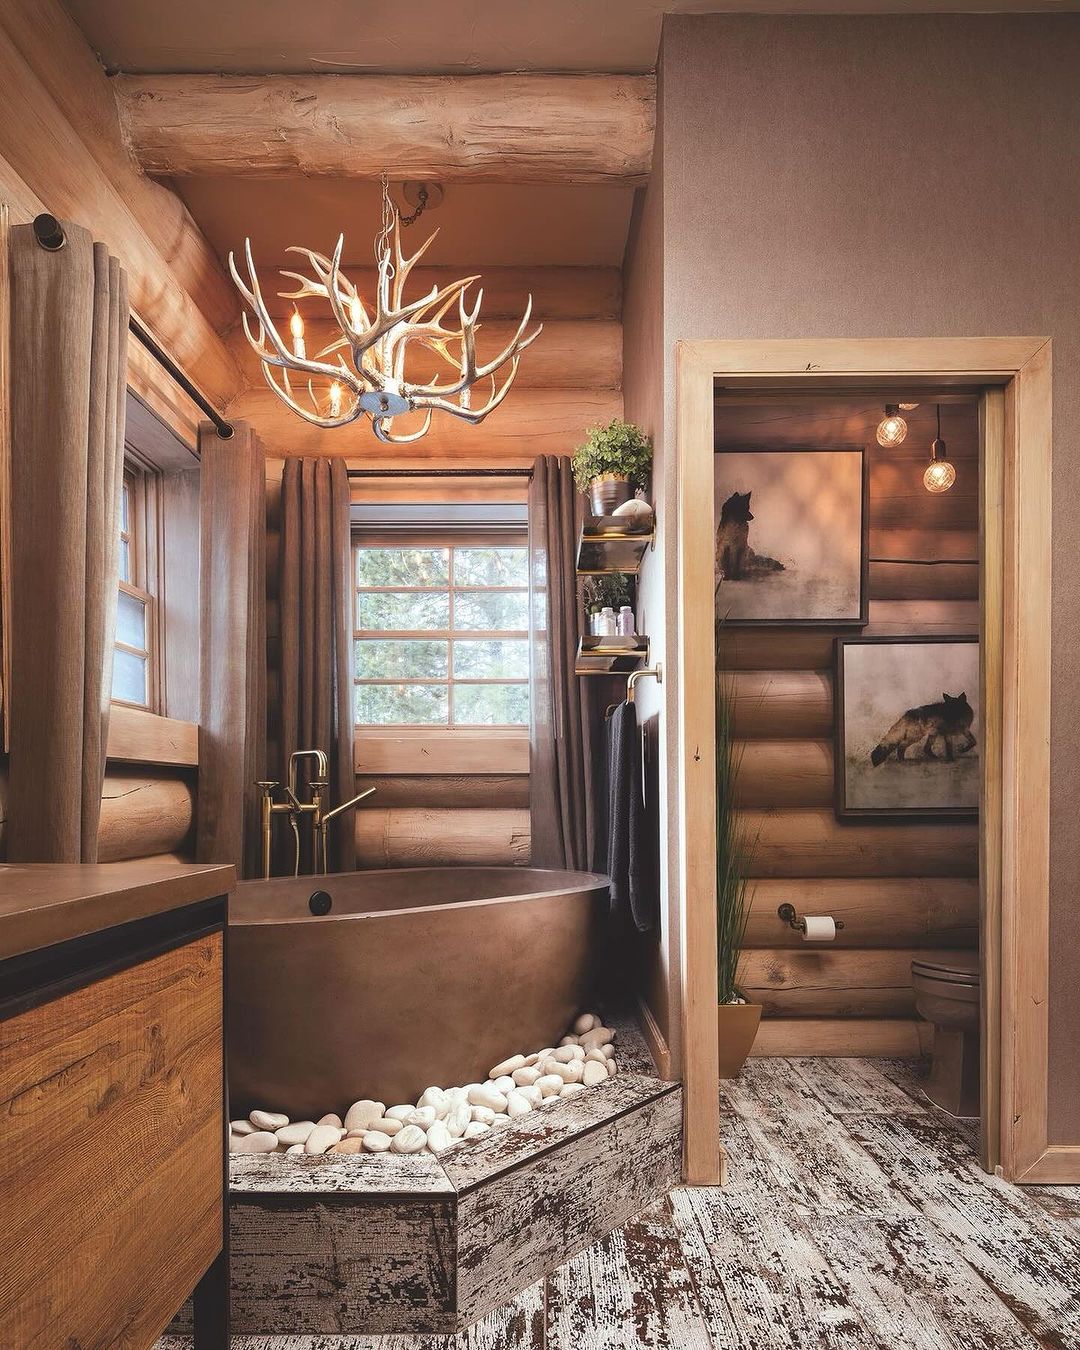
(629, 853)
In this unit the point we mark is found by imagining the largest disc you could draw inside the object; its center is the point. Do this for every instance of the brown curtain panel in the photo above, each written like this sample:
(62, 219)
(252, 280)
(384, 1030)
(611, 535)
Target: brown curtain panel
(316, 589)
(564, 751)
(69, 317)
(232, 667)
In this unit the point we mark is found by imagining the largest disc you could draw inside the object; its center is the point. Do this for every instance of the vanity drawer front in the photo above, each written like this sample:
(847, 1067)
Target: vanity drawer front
(111, 1156)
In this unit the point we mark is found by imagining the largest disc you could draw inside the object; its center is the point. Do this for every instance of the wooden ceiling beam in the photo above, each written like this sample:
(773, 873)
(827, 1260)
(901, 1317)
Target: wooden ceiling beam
(445, 128)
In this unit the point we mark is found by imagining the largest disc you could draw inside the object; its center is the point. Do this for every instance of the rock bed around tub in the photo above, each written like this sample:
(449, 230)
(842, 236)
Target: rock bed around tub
(584, 1058)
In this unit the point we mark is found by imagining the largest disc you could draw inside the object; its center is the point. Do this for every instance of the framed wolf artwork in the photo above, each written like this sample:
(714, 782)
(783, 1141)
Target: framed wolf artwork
(791, 537)
(908, 739)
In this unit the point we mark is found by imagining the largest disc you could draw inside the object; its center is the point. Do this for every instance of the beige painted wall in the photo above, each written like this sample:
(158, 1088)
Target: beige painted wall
(647, 398)
(896, 176)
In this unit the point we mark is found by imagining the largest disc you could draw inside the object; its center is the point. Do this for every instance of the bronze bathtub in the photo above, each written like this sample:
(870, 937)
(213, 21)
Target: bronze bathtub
(414, 977)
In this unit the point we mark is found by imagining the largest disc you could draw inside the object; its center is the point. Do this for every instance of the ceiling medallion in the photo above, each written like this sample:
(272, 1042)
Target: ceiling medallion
(378, 341)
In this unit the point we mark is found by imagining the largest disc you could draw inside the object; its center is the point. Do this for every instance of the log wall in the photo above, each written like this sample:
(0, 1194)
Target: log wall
(899, 887)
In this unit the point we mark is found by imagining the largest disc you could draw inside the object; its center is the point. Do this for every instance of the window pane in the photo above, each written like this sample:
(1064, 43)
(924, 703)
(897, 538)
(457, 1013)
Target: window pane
(129, 677)
(397, 704)
(131, 620)
(125, 560)
(499, 566)
(125, 507)
(402, 567)
(401, 611)
(496, 659)
(492, 705)
(401, 660)
(493, 610)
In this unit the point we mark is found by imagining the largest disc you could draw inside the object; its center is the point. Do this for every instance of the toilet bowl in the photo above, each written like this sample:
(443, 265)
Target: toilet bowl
(947, 994)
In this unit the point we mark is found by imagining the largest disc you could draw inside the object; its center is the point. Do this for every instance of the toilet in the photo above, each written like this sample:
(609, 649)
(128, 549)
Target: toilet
(947, 994)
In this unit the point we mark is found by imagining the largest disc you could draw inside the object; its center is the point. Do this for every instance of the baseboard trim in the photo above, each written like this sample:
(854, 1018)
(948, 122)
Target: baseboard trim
(861, 1037)
(1058, 1166)
(654, 1039)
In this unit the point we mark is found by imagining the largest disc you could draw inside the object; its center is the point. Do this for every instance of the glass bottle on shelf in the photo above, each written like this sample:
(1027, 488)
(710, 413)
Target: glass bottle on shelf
(607, 626)
(626, 621)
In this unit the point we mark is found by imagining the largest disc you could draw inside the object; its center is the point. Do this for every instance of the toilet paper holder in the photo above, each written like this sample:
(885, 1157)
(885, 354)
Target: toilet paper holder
(795, 920)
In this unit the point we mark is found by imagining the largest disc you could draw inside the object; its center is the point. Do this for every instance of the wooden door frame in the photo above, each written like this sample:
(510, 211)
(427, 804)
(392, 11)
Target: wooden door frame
(1016, 633)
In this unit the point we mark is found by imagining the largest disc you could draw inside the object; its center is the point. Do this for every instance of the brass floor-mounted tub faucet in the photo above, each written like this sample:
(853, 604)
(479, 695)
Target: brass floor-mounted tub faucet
(296, 810)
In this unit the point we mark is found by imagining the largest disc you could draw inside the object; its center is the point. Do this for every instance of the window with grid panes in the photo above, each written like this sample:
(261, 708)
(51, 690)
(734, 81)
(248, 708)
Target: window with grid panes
(133, 664)
(441, 633)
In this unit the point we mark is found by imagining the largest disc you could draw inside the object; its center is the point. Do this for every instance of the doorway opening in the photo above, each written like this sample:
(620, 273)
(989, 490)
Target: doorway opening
(995, 399)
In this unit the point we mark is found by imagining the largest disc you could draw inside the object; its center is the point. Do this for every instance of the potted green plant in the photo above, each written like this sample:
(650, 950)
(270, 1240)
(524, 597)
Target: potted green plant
(737, 1018)
(614, 460)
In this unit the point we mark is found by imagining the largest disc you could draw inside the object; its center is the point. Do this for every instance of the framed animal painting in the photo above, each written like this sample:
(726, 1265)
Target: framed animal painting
(908, 739)
(791, 537)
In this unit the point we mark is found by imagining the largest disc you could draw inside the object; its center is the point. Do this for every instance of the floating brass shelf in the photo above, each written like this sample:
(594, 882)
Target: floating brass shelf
(608, 544)
(611, 655)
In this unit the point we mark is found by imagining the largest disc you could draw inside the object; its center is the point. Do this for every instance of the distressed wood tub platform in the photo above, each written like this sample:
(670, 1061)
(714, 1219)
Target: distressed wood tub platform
(422, 1244)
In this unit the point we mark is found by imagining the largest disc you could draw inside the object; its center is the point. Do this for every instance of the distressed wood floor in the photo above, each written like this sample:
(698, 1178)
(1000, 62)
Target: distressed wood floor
(856, 1218)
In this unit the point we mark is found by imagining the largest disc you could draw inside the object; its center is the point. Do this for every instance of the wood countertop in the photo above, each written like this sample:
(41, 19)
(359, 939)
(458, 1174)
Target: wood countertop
(45, 903)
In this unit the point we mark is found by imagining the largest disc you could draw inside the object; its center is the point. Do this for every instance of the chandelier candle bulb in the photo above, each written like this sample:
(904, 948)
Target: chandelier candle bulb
(296, 328)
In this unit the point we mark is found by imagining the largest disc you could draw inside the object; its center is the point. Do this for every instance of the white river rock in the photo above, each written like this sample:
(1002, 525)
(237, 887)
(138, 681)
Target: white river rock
(475, 1129)
(608, 1051)
(268, 1120)
(331, 1119)
(482, 1115)
(434, 1099)
(517, 1104)
(438, 1137)
(490, 1097)
(296, 1133)
(526, 1076)
(571, 1089)
(262, 1141)
(401, 1113)
(585, 1023)
(321, 1138)
(409, 1140)
(507, 1066)
(363, 1114)
(550, 1084)
(458, 1119)
(424, 1116)
(594, 1073)
(376, 1142)
(241, 1127)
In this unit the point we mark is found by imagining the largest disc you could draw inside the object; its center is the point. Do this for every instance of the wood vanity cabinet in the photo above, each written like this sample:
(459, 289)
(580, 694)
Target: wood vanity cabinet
(113, 1187)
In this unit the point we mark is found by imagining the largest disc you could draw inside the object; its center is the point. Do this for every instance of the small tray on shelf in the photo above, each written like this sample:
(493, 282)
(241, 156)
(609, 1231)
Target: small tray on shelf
(611, 655)
(611, 544)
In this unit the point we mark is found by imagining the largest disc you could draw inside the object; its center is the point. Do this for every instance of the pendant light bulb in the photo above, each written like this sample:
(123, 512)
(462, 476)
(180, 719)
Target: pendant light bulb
(939, 475)
(892, 429)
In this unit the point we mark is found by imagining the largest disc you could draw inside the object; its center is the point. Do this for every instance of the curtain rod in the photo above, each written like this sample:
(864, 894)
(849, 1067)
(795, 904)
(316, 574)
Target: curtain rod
(440, 473)
(49, 233)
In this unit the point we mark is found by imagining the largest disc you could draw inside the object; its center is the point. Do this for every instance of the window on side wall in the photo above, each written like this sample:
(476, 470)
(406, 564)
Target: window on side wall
(135, 660)
(441, 633)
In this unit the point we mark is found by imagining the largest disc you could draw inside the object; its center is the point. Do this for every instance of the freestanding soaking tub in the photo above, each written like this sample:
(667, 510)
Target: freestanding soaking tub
(379, 984)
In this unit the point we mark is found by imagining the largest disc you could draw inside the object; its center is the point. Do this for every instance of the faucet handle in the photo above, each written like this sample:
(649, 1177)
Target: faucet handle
(266, 785)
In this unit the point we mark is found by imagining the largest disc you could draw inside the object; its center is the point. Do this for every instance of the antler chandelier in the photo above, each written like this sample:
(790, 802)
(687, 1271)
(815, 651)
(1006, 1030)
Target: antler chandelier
(378, 341)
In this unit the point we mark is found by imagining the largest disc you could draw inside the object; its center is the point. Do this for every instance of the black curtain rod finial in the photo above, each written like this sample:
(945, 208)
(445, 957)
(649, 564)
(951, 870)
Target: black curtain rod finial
(49, 232)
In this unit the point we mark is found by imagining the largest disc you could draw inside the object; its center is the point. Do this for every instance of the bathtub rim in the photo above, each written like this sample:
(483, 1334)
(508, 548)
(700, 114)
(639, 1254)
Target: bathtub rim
(590, 882)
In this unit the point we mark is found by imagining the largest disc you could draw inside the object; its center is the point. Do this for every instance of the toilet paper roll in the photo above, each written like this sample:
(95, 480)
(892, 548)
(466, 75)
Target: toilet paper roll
(819, 928)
